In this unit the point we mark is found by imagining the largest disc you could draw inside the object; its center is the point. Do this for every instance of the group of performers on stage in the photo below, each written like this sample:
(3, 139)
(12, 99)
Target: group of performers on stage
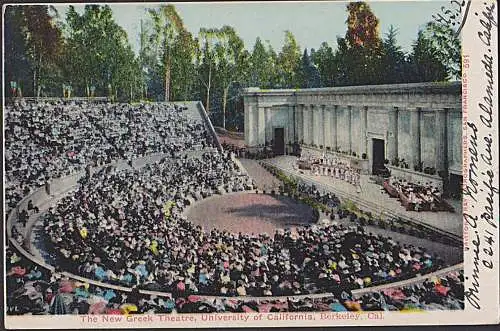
(416, 197)
(333, 167)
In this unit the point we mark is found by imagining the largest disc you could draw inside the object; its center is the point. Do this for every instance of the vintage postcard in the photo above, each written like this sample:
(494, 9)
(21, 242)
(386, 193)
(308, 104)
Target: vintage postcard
(250, 164)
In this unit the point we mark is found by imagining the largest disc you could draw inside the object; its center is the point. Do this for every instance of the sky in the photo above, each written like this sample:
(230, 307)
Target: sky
(311, 22)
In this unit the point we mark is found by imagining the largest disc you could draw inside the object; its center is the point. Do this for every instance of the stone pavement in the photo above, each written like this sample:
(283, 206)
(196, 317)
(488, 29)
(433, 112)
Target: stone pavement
(249, 212)
(263, 179)
(374, 194)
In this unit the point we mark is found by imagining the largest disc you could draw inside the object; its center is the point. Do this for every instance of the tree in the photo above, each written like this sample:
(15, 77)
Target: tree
(325, 61)
(98, 52)
(17, 66)
(288, 62)
(167, 27)
(183, 66)
(394, 64)
(360, 53)
(447, 47)
(207, 60)
(425, 63)
(232, 59)
(34, 41)
(362, 26)
(308, 75)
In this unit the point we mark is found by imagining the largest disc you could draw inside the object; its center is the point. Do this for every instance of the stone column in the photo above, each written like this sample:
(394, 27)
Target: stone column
(310, 127)
(261, 120)
(363, 117)
(333, 124)
(322, 125)
(415, 137)
(291, 124)
(327, 118)
(269, 125)
(349, 128)
(249, 125)
(300, 122)
(314, 129)
(305, 124)
(441, 153)
(392, 135)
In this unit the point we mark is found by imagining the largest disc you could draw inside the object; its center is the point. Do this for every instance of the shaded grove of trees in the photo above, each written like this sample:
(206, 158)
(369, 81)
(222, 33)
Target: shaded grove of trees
(91, 53)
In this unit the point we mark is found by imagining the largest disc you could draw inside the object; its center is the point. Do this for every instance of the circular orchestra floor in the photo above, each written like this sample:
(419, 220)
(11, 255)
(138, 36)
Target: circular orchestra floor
(250, 213)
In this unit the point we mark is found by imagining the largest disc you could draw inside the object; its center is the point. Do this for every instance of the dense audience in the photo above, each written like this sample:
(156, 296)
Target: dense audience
(45, 140)
(33, 290)
(127, 227)
(133, 239)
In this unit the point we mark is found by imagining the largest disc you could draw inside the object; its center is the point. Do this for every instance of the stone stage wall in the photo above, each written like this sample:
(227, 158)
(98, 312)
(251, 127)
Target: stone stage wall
(415, 122)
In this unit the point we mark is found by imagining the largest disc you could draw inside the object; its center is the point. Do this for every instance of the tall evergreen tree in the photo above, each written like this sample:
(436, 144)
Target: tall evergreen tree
(360, 52)
(394, 64)
(261, 66)
(308, 75)
(425, 63)
(288, 62)
(324, 59)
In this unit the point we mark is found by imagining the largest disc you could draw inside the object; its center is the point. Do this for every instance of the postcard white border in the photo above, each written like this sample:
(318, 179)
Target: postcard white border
(475, 84)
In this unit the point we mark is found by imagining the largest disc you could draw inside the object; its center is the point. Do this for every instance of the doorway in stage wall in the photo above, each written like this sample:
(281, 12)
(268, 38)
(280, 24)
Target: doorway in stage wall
(279, 141)
(378, 156)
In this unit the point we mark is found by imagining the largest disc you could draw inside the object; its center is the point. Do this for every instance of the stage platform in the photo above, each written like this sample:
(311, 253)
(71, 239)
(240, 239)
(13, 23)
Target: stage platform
(373, 197)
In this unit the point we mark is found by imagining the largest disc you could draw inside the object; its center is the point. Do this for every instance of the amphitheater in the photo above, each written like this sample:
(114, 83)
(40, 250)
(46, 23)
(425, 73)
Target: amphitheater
(245, 203)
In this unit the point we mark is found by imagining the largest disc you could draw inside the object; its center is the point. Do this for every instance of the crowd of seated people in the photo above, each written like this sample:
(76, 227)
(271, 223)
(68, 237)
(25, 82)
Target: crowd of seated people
(127, 227)
(416, 197)
(328, 199)
(115, 228)
(34, 290)
(45, 140)
(238, 151)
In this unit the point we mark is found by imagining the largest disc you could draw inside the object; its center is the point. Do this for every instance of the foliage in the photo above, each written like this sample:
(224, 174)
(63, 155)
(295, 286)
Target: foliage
(90, 51)
(326, 64)
(288, 63)
(360, 52)
(262, 64)
(98, 54)
(170, 52)
(34, 42)
(17, 66)
(425, 64)
(446, 46)
(395, 68)
(362, 26)
(308, 75)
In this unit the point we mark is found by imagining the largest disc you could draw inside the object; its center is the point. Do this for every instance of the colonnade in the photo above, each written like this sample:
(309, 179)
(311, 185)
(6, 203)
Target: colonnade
(415, 122)
(320, 128)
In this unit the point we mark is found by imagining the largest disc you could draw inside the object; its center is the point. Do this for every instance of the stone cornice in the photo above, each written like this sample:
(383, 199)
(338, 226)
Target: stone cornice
(454, 88)
(406, 96)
